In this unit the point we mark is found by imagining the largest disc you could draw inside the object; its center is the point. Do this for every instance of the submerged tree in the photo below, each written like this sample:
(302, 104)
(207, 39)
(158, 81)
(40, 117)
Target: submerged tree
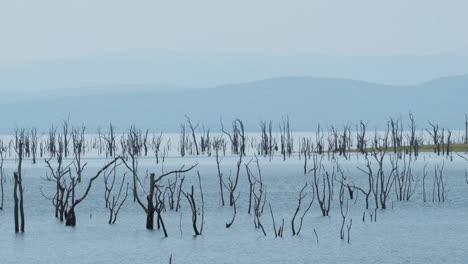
(70, 215)
(18, 181)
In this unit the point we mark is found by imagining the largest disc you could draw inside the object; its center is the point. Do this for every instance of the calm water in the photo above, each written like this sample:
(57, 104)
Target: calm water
(407, 232)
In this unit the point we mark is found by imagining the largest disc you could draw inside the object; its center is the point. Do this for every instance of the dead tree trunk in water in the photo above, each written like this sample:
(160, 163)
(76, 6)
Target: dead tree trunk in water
(18, 186)
(193, 128)
(2, 150)
(70, 217)
(435, 137)
(116, 203)
(193, 206)
(300, 198)
(217, 147)
(466, 129)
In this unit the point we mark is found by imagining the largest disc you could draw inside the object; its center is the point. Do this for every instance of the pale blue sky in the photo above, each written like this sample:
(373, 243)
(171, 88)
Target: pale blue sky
(52, 29)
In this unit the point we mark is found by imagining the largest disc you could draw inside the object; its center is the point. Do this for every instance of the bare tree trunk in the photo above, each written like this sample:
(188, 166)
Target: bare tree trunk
(15, 197)
(466, 129)
(150, 205)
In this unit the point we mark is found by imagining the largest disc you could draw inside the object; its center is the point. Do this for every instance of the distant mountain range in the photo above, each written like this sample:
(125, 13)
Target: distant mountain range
(306, 100)
(198, 69)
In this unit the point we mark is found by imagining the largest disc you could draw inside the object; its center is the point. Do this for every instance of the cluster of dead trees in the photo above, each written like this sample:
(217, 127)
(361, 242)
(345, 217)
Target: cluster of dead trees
(388, 168)
(195, 140)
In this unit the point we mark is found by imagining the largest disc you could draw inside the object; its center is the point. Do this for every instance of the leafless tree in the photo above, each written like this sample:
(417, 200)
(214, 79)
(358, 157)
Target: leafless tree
(78, 141)
(236, 137)
(405, 181)
(306, 150)
(361, 137)
(231, 185)
(52, 140)
(64, 187)
(266, 145)
(323, 184)
(278, 231)
(195, 210)
(110, 141)
(424, 183)
(449, 138)
(439, 191)
(259, 203)
(70, 215)
(114, 204)
(396, 135)
(193, 128)
(286, 139)
(384, 181)
(34, 142)
(413, 140)
(217, 146)
(466, 129)
(182, 141)
(179, 192)
(145, 143)
(66, 139)
(370, 179)
(149, 209)
(18, 181)
(435, 137)
(301, 197)
(2, 157)
(156, 145)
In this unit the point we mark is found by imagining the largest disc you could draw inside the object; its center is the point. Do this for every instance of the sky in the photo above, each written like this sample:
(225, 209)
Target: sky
(56, 29)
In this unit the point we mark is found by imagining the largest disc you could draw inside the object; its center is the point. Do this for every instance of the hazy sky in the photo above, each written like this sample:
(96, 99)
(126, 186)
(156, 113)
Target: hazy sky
(51, 29)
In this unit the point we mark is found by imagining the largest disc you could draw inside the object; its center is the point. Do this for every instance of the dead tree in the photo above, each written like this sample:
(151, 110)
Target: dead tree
(66, 139)
(63, 188)
(2, 157)
(449, 138)
(193, 128)
(182, 141)
(195, 210)
(110, 141)
(51, 146)
(116, 203)
(179, 192)
(384, 182)
(78, 141)
(149, 208)
(278, 231)
(301, 196)
(34, 143)
(286, 139)
(439, 191)
(323, 184)
(231, 186)
(306, 150)
(217, 146)
(466, 129)
(405, 182)
(259, 204)
(435, 137)
(396, 135)
(145, 143)
(70, 216)
(344, 211)
(370, 179)
(413, 141)
(156, 145)
(361, 137)
(236, 137)
(18, 181)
